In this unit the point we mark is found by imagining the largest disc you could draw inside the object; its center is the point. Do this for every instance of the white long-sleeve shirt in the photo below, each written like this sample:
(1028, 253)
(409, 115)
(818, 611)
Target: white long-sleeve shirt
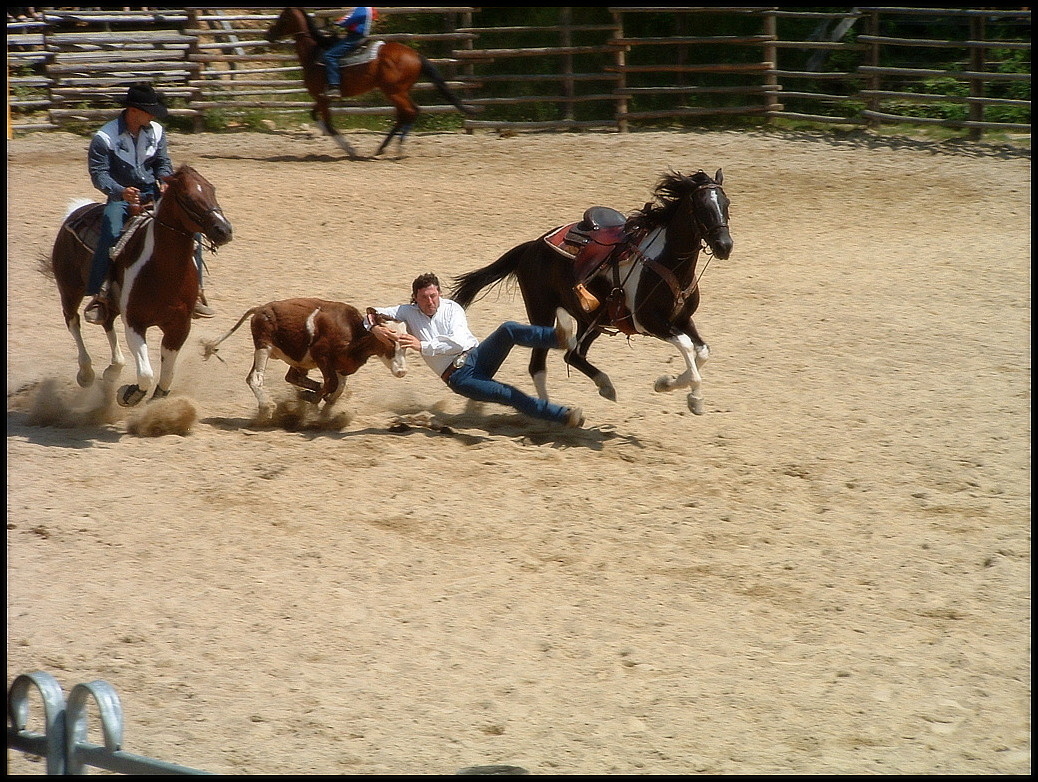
(443, 336)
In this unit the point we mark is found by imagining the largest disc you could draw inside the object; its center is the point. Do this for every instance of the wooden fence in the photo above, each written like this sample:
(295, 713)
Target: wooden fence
(613, 67)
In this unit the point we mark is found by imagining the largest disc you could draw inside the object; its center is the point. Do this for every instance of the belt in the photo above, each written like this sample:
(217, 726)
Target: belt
(455, 365)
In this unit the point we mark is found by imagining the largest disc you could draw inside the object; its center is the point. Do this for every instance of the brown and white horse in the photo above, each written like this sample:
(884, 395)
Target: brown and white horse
(154, 278)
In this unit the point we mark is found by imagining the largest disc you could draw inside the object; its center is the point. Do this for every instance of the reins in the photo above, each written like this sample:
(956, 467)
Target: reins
(667, 275)
(199, 236)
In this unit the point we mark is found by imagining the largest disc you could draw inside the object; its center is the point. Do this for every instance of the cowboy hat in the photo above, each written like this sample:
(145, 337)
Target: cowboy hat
(145, 98)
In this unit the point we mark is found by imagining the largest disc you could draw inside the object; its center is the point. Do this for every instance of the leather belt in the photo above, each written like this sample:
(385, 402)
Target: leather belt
(455, 365)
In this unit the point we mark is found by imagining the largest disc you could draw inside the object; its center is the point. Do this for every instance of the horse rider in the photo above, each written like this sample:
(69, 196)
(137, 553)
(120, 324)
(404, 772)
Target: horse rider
(358, 24)
(438, 329)
(127, 159)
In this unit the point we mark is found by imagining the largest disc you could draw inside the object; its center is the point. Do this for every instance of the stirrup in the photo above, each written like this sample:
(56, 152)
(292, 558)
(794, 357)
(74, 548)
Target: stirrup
(96, 311)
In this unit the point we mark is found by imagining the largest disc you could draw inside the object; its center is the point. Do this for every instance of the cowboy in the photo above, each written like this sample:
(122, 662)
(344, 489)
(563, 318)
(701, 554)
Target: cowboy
(358, 25)
(127, 159)
(438, 329)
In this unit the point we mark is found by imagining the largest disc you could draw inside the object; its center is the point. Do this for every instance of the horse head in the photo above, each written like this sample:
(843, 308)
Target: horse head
(282, 27)
(189, 202)
(294, 22)
(709, 208)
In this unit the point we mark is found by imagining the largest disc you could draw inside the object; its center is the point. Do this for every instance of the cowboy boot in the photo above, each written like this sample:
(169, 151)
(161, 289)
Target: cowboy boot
(96, 310)
(202, 308)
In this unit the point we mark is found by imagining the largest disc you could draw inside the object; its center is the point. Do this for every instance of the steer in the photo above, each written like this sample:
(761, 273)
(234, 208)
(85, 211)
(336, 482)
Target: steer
(309, 333)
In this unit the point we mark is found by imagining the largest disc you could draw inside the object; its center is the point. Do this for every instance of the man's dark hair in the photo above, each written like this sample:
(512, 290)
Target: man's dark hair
(423, 281)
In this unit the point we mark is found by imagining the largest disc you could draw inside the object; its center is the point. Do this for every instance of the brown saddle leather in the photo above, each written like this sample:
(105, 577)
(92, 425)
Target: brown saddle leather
(589, 243)
(85, 224)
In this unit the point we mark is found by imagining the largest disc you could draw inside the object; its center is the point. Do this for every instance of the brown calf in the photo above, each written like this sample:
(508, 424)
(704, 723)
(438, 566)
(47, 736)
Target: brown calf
(308, 333)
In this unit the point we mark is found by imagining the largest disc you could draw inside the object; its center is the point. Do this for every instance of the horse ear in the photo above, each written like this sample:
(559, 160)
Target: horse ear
(719, 177)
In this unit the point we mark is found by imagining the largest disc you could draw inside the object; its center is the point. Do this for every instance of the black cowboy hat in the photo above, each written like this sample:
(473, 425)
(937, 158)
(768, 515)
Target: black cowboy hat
(145, 98)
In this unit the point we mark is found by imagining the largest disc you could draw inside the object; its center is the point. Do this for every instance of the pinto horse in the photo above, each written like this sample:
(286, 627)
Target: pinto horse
(155, 280)
(643, 279)
(394, 69)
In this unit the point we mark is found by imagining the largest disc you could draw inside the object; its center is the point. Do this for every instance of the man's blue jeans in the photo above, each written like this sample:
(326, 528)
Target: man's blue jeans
(476, 381)
(111, 227)
(334, 53)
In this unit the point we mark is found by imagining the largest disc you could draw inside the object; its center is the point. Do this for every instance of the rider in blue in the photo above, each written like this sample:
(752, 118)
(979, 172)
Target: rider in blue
(127, 159)
(358, 25)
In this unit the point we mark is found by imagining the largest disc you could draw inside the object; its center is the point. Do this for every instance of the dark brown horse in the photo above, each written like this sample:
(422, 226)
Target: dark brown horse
(394, 69)
(647, 284)
(154, 277)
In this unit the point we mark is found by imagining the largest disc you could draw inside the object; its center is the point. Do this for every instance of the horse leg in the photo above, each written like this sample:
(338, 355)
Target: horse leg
(167, 367)
(115, 368)
(695, 355)
(578, 360)
(85, 376)
(130, 395)
(406, 114)
(322, 115)
(255, 381)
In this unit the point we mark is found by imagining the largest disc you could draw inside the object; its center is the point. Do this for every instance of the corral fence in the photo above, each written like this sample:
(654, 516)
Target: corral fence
(554, 68)
(64, 742)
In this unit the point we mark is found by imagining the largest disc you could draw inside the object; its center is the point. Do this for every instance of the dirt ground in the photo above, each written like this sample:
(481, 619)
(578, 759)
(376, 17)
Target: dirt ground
(827, 572)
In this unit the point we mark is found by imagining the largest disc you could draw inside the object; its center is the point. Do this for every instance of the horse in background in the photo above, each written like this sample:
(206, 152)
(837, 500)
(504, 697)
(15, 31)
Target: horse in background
(389, 66)
(155, 280)
(635, 275)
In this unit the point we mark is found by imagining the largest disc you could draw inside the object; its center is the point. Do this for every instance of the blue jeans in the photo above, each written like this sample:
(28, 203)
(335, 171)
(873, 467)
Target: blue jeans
(476, 381)
(111, 227)
(336, 52)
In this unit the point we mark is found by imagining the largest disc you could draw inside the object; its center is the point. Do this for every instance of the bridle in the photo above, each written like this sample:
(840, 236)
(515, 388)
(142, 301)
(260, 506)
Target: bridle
(193, 215)
(681, 294)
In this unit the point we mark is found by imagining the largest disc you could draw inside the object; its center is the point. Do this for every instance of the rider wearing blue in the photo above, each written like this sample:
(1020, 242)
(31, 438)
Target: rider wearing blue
(127, 159)
(358, 25)
(439, 330)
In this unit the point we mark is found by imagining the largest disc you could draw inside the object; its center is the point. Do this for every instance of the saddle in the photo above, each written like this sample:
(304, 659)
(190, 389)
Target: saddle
(366, 51)
(589, 244)
(85, 225)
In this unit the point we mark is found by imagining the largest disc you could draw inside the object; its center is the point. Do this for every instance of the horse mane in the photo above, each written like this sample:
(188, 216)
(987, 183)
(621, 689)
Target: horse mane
(322, 38)
(668, 194)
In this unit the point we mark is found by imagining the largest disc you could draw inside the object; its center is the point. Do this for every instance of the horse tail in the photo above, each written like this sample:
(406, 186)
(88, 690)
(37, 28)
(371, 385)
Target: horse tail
(209, 346)
(467, 285)
(433, 75)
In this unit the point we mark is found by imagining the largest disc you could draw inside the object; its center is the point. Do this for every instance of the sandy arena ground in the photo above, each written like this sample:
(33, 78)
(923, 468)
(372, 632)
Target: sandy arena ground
(828, 572)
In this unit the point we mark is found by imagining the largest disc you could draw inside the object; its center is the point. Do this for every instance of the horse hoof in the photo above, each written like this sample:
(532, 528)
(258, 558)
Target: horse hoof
(159, 393)
(85, 378)
(608, 392)
(128, 396)
(695, 404)
(663, 383)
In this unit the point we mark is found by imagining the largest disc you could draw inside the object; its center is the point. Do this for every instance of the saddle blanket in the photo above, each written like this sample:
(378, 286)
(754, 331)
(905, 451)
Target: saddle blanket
(364, 53)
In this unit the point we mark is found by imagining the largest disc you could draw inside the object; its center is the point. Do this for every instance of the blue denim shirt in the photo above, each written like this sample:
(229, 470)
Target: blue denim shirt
(117, 161)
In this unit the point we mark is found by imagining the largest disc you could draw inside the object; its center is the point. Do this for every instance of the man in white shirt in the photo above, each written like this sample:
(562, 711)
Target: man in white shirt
(438, 329)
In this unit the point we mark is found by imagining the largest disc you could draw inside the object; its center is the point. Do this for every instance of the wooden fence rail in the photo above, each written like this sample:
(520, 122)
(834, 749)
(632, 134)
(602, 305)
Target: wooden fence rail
(592, 68)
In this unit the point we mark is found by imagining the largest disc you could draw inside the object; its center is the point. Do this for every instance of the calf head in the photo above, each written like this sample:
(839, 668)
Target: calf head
(393, 356)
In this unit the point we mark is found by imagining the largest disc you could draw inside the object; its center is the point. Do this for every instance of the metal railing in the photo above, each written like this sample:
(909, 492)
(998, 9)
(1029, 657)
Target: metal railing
(63, 743)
